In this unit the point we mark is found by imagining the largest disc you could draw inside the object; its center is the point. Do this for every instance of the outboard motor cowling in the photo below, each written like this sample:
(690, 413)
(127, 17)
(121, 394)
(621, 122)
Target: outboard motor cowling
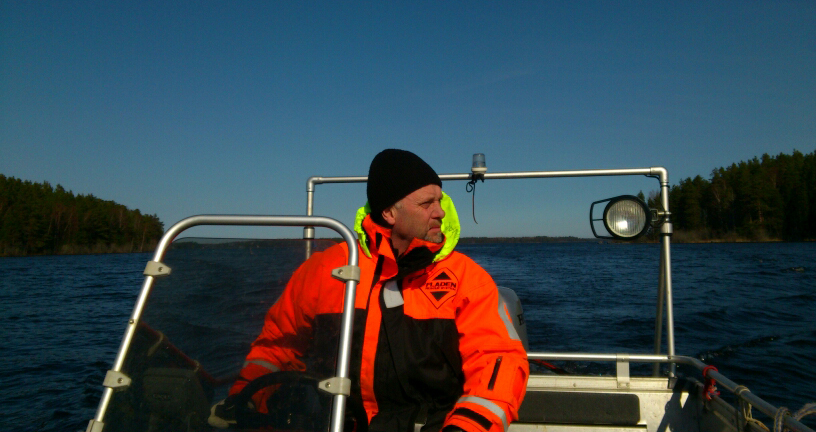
(513, 304)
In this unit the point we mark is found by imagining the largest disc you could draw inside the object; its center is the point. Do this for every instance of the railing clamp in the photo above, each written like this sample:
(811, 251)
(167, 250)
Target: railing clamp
(156, 269)
(622, 362)
(336, 386)
(95, 426)
(347, 273)
(116, 380)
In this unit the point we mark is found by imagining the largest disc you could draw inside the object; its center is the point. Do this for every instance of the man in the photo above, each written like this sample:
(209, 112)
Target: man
(432, 341)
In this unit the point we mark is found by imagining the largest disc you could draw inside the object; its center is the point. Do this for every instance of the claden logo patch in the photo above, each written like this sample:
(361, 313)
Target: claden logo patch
(441, 286)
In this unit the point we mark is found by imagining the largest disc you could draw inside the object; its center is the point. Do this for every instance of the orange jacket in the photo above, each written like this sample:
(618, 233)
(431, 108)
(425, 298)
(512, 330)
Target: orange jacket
(439, 338)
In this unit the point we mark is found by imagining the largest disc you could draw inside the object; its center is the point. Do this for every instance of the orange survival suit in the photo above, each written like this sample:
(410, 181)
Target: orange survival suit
(431, 334)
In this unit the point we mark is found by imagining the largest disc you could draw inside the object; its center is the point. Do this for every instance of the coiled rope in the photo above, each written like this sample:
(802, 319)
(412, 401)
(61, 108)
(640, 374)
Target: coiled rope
(745, 406)
(779, 418)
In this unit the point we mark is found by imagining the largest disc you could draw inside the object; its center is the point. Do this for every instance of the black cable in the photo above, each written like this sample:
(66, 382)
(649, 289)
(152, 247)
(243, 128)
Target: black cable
(470, 187)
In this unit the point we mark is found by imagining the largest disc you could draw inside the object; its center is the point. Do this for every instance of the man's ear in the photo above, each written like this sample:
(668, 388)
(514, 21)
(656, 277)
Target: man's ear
(389, 215)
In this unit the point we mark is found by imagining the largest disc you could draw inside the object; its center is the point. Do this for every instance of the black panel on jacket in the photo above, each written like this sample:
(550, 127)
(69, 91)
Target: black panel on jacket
(418, 368)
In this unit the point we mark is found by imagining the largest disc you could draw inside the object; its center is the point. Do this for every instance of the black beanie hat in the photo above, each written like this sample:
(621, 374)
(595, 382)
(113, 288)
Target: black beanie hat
(393, 175)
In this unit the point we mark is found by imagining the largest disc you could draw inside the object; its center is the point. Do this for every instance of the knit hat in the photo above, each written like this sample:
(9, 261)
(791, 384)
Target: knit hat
(393, 175)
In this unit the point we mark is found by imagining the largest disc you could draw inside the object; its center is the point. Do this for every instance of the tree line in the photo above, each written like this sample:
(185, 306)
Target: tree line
(38, 219)
(766, 198)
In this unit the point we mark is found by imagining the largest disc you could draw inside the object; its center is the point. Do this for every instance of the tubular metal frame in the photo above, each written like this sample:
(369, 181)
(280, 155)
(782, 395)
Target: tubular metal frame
(664, 283)
(344, 349)
(309, 222)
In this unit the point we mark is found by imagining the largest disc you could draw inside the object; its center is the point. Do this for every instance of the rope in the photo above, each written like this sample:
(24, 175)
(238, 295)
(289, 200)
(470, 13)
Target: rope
(746, 409)
(781, 412)
(805, 411)
(549, 366)
(779, 418)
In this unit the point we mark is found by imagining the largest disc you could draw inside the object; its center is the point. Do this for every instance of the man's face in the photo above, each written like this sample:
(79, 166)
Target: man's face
(418, 215)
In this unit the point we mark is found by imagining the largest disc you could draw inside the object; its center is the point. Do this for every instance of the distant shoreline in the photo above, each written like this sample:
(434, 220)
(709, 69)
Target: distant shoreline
(206, 243)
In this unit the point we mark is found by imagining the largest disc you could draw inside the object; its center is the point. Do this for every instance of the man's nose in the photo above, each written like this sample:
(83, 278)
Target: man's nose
(438, 212)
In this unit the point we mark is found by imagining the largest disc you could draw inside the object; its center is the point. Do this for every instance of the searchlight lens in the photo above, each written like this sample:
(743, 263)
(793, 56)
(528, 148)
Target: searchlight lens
(625, 217)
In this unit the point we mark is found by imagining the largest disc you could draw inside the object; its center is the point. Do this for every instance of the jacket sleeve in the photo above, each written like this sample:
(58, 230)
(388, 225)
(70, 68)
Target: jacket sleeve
(286, 331)
(494, 363)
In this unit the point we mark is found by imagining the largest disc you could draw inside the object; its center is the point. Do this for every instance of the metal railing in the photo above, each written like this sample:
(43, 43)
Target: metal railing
(664, 295)
(739, 391)
(344, 349)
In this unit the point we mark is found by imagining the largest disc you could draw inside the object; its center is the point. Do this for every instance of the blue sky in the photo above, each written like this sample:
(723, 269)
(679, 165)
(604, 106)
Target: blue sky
(183, 108)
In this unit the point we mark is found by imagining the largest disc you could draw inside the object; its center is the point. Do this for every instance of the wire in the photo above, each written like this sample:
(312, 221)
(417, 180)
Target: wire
(470, 187)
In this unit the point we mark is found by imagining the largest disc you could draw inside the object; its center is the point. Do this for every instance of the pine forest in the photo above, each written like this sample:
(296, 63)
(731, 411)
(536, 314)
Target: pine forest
(38, 219)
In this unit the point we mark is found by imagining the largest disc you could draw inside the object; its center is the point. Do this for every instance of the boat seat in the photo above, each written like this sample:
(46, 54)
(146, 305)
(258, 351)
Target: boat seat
(584, 408)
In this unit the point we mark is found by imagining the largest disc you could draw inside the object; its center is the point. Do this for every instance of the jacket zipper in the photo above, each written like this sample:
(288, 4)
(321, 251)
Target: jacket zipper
(495, 373)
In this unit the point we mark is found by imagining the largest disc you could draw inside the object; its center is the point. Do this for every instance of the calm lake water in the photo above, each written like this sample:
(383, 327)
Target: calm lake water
(749, 309)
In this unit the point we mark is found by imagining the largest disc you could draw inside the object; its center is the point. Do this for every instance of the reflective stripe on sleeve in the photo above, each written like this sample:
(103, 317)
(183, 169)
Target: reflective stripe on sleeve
(264, 364)
(490, 406)
(508, 323)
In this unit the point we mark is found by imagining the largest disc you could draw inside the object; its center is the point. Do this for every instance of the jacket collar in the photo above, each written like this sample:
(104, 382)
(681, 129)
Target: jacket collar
(368, 233)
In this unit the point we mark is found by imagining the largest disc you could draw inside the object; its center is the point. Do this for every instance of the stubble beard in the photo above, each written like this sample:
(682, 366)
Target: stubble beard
(434, 237)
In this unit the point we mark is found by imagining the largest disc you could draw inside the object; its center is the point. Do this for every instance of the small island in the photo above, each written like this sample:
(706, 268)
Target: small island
(38, 219)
